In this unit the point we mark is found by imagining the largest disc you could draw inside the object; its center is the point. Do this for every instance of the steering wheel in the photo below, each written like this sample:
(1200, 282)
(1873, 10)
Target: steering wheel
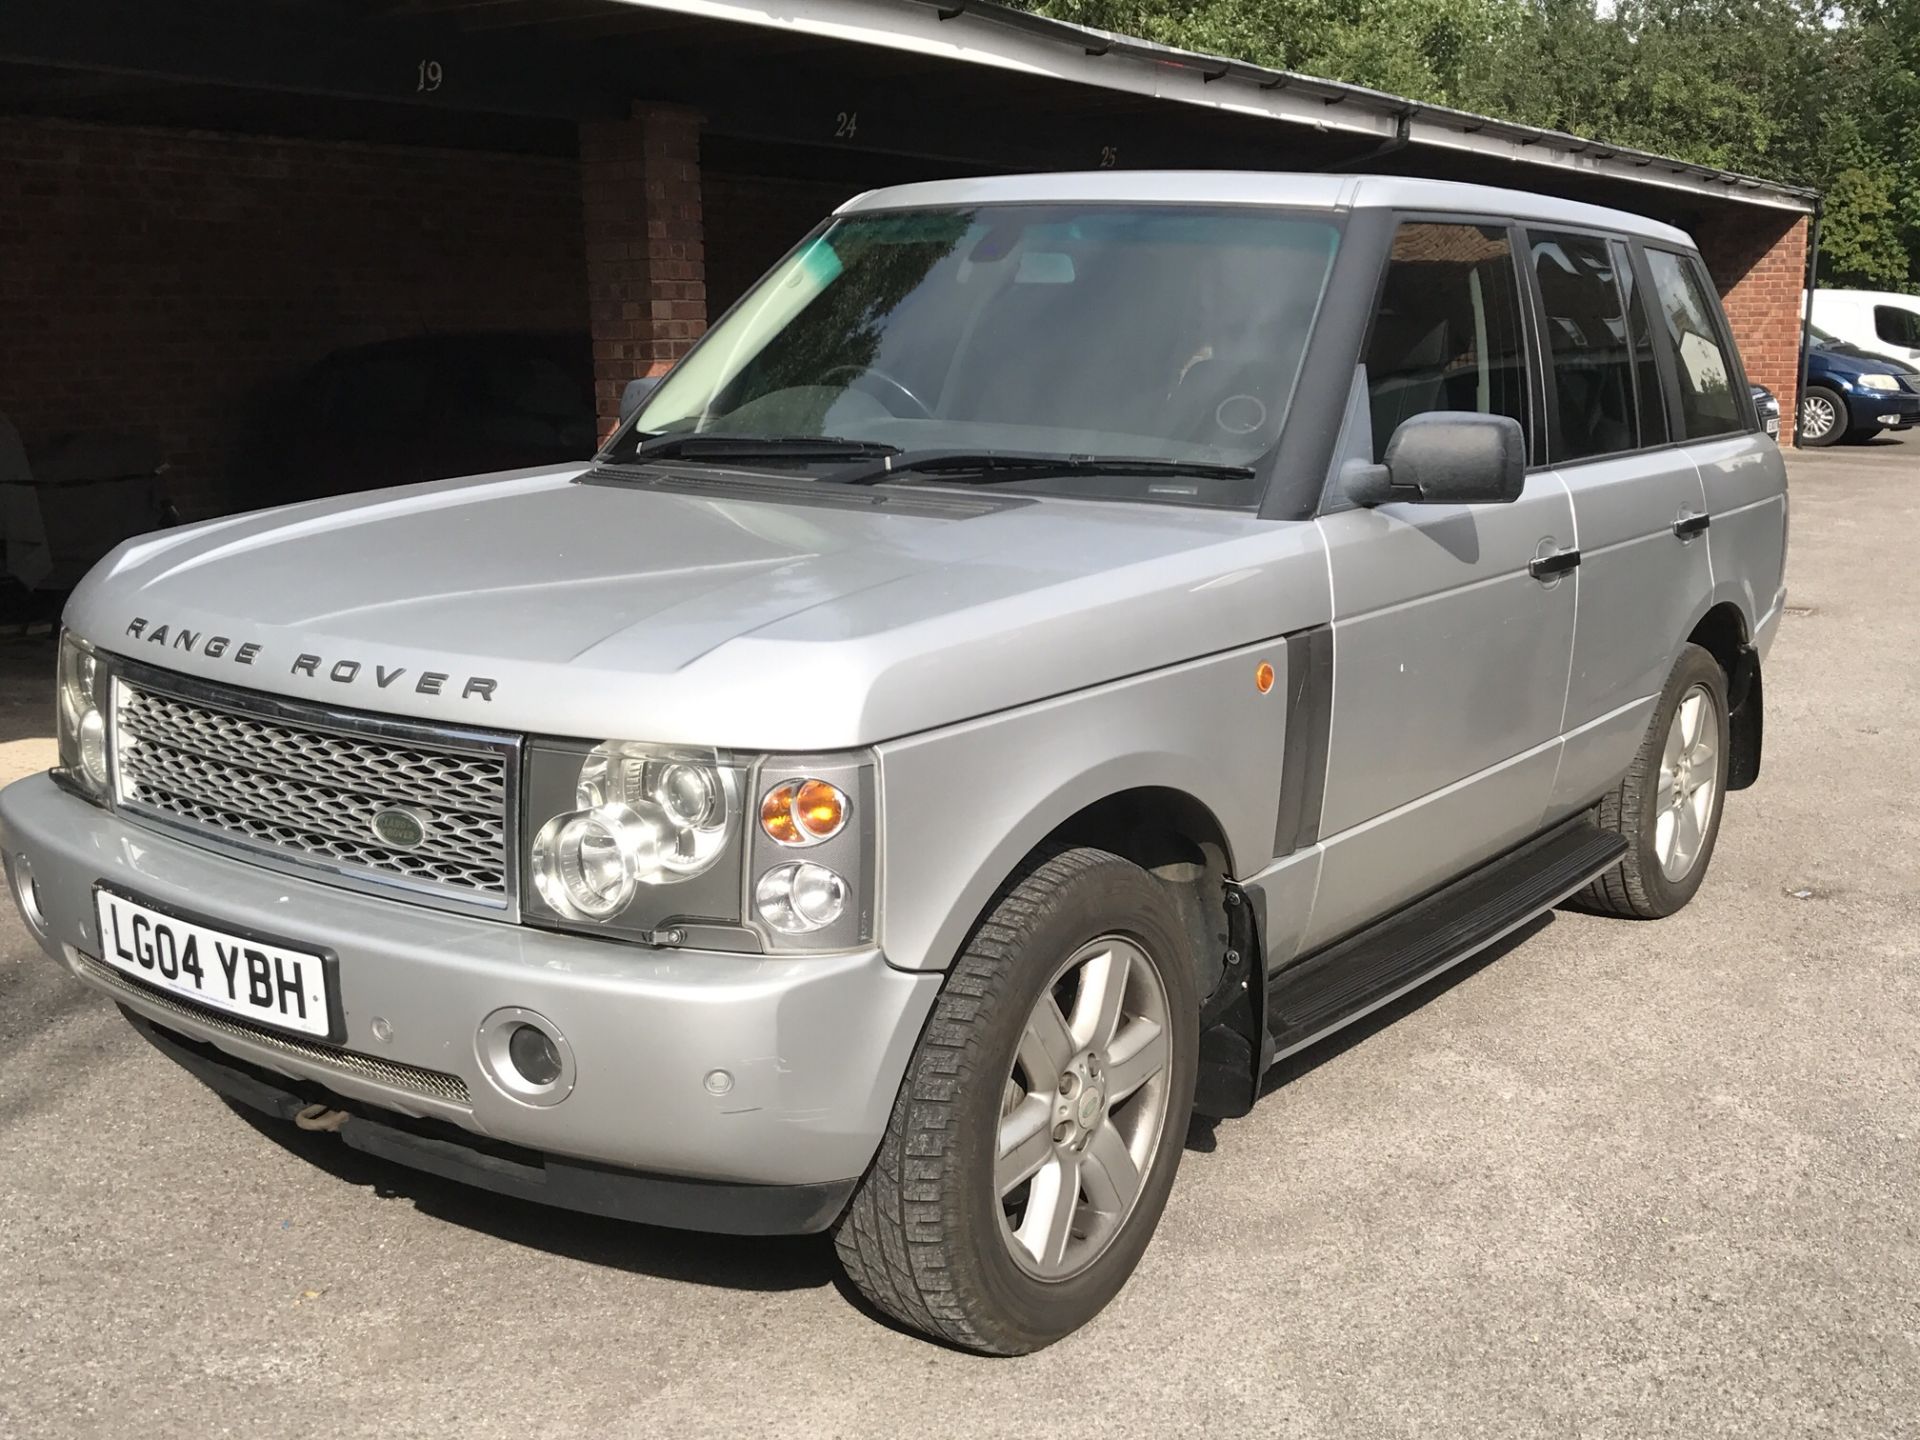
(1219, 403)
(869, 372)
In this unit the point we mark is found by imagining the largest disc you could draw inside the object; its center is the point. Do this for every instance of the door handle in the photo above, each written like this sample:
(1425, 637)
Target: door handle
(1548, 567)
(1688, 526)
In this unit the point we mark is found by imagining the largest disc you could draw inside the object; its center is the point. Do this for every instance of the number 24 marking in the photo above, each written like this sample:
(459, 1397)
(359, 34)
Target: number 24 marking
(846, 124)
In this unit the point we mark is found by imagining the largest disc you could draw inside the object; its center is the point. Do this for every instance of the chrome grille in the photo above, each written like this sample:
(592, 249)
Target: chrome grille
(303, 785)
(433, 1083)
(1909, 383)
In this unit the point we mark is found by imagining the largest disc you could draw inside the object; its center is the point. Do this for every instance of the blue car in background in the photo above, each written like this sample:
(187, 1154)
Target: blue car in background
(1854, 394)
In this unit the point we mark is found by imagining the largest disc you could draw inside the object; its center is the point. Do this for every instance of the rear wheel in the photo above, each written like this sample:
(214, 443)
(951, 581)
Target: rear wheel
(1823, 416)
(1036, 1134)
(1668, 806)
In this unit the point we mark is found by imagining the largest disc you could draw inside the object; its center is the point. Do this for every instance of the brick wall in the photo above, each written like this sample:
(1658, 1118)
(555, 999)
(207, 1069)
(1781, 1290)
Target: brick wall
(646, 256)
(1760, 266)
(151, 279)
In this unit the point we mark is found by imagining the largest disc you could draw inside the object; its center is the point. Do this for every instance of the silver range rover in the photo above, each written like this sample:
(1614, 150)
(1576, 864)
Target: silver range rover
(1057, 646)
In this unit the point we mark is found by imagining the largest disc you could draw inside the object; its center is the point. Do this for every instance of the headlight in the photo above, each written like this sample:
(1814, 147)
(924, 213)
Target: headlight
(82, 721)
(686, 805)
(1877, 382)
(673, 845)
(617, 827)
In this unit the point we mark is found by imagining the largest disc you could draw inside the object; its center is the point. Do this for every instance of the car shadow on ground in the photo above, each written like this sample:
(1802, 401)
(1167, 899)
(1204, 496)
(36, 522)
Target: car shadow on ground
(766, 1263)
(728, 1262)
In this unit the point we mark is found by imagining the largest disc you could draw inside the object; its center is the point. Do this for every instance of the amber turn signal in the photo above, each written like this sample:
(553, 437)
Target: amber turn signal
(776, 815)
(1263, 677)
(800, 812)
(821, 809)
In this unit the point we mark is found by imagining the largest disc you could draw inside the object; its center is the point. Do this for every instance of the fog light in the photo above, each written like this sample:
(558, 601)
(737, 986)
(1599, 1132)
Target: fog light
(525, 1056)
(533, 1055)
(26, 891)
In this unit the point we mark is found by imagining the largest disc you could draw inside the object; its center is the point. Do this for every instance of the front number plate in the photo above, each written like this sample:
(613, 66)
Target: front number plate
(266, 983)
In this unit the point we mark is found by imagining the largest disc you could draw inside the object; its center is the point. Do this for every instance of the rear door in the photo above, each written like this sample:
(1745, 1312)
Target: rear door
(1741, 473)
(1450, 658)
(1639, 508)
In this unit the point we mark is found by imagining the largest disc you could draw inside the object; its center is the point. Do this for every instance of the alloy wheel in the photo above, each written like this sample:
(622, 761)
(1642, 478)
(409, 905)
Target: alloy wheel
(1689, 785)
(1817, 417)
(1083, 1108)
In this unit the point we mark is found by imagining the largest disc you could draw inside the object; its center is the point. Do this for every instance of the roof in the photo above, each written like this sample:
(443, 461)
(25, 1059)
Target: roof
(979, 33)
(1261, 187)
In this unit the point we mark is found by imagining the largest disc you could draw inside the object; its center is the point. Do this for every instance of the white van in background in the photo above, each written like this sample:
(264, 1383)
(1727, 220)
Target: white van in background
(1876, 320)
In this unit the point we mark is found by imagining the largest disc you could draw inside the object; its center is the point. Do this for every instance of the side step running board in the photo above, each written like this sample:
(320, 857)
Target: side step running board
(1318, 994)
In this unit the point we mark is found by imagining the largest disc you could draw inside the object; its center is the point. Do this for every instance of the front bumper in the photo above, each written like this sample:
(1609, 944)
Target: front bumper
(1889, 409)
(812, 1049)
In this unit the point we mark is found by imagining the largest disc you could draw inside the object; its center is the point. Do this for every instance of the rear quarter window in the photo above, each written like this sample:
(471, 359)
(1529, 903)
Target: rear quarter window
(1711, 402)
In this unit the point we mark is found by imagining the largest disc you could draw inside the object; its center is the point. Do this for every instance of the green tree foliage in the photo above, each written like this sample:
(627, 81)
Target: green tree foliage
(1801, 91)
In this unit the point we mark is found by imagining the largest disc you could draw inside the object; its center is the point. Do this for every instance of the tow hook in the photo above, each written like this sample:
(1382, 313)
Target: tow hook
(319, 1117)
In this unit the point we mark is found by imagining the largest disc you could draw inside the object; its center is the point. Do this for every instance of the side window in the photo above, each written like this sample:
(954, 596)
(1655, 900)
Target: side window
(1447, 333)
(1586, 326)
(1708, 404)
(1897, 325)
(1652, 395)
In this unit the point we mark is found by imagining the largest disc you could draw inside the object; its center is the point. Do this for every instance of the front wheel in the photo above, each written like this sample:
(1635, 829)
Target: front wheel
(1035, 1137)
(1823, 416)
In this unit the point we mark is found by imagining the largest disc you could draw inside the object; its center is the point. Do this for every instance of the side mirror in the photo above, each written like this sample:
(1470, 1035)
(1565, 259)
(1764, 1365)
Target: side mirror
(1447, 457)
(635, 395)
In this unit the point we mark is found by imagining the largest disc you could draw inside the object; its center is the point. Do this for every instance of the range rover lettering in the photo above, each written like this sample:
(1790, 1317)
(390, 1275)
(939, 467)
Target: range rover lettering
(1059, 645)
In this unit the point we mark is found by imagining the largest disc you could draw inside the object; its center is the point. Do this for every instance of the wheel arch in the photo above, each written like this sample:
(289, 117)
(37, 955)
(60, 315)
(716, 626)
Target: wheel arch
(1157, 822)
(1178, 840)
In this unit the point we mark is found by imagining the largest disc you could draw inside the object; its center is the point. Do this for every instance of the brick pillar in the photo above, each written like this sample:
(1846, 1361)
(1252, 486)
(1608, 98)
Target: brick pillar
(646, 261)
(1759, 261)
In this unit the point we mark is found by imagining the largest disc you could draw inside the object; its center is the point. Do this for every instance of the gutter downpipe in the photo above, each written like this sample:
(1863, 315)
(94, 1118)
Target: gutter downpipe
(1806, 316)
(1402, 134)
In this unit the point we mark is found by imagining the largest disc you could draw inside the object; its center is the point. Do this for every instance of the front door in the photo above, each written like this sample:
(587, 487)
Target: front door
(1450, 655)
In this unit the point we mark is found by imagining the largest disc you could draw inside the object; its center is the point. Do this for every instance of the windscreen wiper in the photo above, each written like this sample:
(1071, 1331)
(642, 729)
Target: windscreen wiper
(716, 445)
(990, 467)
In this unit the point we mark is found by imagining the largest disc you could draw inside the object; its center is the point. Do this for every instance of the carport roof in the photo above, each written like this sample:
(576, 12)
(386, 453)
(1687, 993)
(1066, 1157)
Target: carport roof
(978, 33)
(945, 86)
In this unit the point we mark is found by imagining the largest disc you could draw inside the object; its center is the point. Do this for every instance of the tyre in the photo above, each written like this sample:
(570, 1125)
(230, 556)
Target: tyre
(1035, 1136)
(1668, 807)
(1823, 416)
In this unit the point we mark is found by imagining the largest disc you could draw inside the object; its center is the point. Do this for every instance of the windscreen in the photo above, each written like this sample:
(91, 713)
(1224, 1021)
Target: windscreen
(1174, 332)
